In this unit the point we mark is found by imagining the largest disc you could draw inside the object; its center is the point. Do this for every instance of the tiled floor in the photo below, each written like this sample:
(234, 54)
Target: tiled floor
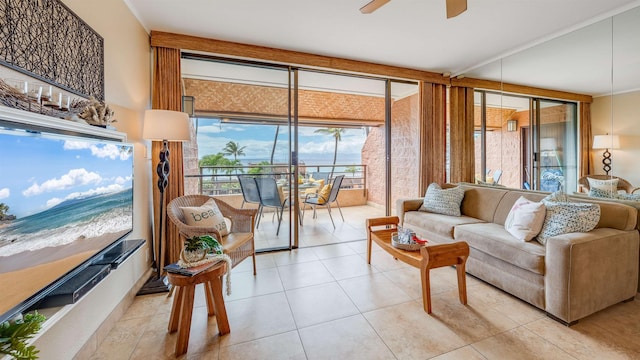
(327, 303)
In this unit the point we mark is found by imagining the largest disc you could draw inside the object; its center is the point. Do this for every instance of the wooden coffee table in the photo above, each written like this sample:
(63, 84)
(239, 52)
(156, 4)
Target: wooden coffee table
(429, 257)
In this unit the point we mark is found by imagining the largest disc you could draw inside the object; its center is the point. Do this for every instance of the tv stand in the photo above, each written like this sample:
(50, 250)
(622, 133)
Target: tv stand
(119, 253)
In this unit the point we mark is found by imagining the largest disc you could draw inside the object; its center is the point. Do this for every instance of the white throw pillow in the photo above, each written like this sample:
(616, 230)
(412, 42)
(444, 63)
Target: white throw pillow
(443, 201)
(525, 219)
(567, 217)
(207, 215)
(610, 186)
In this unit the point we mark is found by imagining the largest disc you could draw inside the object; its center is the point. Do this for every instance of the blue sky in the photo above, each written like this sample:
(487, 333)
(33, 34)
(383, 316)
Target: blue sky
(258, 139)
(39, 172)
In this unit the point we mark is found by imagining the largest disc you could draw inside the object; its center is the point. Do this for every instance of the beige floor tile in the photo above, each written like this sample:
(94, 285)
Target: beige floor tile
(315, 304)
(122, 339)
(516, 309)
(463, 353)
(332, 251)
(257, 317)
(348, 338)
(407, 279)
(146, 305)
(383, 261)
(245, 284)
(304, 274)
(348, 266)
(360, 246)
(412, 334)
(587, 339)
(521, 344)
(374, 291)
(280, 346)
(294, 256)
(471, 322)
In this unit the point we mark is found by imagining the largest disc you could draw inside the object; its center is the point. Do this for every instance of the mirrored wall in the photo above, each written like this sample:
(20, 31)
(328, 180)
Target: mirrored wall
(601, 60)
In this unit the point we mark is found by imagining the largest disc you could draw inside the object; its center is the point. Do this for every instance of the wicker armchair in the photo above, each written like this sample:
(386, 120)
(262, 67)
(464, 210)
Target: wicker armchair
(623, 184)
(238, 244)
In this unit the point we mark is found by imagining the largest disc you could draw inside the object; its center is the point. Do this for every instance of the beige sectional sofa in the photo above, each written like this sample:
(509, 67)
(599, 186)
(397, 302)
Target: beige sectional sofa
(572, 276)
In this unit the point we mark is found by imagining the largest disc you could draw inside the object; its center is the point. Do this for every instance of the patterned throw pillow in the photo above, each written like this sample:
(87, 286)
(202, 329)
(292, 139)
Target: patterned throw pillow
(599, 193)
(443, 201)
(566, 217)
(207, 215)
(625, 196)
(610, 186)
(525, 219)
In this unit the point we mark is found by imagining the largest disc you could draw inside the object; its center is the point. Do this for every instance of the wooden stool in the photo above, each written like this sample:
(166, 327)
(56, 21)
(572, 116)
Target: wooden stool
(182, 309)
(435, 256)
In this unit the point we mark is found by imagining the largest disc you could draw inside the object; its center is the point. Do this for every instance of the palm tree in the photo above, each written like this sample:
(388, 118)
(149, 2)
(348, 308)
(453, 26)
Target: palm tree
(4, 208)
(337, 135)
(233, 148)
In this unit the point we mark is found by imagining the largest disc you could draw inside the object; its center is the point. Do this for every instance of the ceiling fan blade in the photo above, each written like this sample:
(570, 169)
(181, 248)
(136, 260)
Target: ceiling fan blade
(455, 7)
(373, 5)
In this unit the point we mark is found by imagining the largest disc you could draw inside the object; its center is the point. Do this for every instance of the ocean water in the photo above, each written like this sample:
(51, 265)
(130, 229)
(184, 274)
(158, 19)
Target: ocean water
(69, 221)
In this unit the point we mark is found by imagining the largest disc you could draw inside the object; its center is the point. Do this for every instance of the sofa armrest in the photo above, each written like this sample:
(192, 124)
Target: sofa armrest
(587, 272)
(404, 205)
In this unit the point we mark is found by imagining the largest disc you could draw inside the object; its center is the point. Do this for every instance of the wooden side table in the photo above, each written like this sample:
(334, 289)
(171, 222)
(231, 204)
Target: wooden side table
(182, 309)
(435, 256)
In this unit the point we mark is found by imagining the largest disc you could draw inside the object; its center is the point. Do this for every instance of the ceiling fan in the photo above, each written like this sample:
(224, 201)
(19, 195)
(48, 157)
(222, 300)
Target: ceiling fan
(454, 7)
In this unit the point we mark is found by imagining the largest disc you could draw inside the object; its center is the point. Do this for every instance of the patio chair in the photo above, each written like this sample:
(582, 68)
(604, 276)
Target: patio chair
(319, 199)
(238, 244)
(271, 196)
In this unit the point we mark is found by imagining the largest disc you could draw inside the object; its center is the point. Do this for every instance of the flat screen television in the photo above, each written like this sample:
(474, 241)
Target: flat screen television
(63, 201)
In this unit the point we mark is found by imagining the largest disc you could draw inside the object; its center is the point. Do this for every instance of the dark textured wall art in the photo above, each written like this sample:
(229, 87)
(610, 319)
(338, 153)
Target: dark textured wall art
(46, 40)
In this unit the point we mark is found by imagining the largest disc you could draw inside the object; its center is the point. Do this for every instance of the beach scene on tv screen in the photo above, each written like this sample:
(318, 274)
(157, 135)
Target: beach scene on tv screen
(62, 200)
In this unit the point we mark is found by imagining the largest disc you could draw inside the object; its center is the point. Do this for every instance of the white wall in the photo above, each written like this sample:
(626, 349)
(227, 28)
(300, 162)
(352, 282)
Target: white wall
(624, 121)
(127, 91)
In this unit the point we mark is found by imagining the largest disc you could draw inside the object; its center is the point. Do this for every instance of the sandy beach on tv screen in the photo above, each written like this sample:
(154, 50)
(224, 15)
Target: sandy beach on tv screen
(24, 274)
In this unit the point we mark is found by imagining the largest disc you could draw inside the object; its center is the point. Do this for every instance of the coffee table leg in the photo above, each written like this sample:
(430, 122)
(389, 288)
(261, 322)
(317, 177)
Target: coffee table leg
(462, 281)
(185, 320)
(426, 289)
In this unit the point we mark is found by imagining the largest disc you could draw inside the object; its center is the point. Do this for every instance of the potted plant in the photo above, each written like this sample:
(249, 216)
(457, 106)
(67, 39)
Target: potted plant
(15, 333)
(196, 248)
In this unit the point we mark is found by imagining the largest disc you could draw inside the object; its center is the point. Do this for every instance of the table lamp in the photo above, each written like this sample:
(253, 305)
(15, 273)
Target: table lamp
(165, 126)
(606, 142)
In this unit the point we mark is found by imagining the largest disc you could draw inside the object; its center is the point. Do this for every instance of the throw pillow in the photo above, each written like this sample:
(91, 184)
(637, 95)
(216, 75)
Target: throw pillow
(323, 195)
(207, 215)
(610, 185)
(595, 192)
(443, 201)
(525, 219)
(625, 196)
(567, 217)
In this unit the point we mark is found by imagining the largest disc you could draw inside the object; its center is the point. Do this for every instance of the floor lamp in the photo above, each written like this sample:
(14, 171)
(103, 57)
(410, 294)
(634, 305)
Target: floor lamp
(606, 142)
(165, 126)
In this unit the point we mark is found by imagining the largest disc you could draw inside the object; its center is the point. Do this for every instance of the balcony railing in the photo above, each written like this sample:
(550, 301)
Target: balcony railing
(223, 180)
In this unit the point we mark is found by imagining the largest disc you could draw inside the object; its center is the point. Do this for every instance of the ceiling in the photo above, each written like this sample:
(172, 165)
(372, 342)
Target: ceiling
(416, 34)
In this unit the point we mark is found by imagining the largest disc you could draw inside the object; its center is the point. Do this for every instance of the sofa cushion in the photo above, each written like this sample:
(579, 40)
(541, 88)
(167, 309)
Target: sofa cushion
(525, 219)
(493, 239)
(566, 217)
(207, 215)
(435, 223)
(443, 201)
(481, 202)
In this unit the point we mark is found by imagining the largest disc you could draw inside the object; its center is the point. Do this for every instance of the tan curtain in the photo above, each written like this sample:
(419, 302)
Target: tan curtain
(167, 95)
(462, 163)
(586, 140)
(432, 134)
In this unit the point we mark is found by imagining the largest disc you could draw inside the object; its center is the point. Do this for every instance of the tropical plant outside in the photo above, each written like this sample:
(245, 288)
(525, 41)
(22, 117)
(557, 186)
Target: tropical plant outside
(337, 135)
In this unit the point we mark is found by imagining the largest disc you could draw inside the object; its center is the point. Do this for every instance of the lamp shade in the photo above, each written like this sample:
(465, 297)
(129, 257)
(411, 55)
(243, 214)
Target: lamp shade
(606, 142)
(166, 125)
